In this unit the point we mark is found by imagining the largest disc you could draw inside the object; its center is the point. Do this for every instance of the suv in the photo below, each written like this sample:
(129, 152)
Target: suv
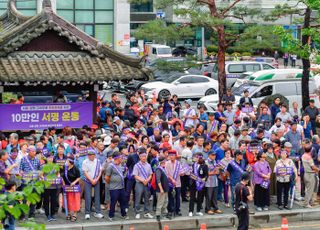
(234, 69)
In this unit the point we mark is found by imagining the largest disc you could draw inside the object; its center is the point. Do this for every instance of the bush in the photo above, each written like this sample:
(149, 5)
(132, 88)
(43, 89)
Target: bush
(212, 49)
(246, 54)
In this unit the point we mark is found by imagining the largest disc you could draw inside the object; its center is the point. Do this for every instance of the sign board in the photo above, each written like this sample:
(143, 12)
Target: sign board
(43, 116)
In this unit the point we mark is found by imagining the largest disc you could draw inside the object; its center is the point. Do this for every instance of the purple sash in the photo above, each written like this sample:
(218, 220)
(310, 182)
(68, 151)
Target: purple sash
(164, 171)
(11, 161)
(29, 163)
(187, 114)
(199, 182)
(96, 172)
(236, 166)
(175, 174)
(143, 172)
(213, 126)
(120, 173)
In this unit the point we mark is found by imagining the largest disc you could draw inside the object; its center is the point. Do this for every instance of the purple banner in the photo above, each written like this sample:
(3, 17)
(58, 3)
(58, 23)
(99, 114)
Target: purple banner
(43, 116)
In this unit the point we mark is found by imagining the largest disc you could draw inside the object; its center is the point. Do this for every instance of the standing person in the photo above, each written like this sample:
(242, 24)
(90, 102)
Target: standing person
(197, 184)
(294, 138)
(71, 178)
(174, 171)
(271, 159)
(310, 171)
(285, 60)
(230, 115)
(293, 60)
(142, 173)
(307, 126)
(275, 108)
(313, 113)
(261, 179)
(276, 55)
(115, 178)
(243, 194)
(212, 185)
(30, 165)
(285, 170)
(92, 171)
(246, 99)
(228, 98)
(162, 188)
(234, 170)
(177, 105)
(8, 223)
(189, 114)
(186, 161)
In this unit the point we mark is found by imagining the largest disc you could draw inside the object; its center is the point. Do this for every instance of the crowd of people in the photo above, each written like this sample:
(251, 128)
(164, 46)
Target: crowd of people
(173, 153)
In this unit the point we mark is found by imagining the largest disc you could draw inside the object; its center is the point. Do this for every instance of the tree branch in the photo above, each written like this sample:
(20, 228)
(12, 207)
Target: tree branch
(206, 2)
(230, 7)
(236, 17)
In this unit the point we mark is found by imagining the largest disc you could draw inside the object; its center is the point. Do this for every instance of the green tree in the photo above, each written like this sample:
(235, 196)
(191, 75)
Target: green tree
(31, 193)
(208, 14)
(159, 32)
(309, 11)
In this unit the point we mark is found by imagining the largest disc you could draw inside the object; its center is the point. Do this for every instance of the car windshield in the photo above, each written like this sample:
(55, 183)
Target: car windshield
(239, 90)
(172, 78)
(164, 51)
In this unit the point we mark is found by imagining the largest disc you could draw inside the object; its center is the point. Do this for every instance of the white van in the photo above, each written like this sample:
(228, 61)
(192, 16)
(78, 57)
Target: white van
(234, 69)
(267, 75)
(155, 51)
(258, 90)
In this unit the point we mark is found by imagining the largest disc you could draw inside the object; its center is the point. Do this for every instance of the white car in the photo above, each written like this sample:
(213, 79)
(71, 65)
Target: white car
(184, 86)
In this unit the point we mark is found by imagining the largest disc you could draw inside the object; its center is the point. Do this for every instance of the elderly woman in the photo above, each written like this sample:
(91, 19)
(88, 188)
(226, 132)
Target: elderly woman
(285, 170)
(261, 179)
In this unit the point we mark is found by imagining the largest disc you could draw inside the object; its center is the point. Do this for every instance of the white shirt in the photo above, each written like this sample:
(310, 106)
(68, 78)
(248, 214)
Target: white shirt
(189, 112)
(89, 167)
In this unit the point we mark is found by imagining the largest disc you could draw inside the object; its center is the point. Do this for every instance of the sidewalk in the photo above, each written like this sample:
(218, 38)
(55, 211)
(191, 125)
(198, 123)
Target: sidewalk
(228, 219)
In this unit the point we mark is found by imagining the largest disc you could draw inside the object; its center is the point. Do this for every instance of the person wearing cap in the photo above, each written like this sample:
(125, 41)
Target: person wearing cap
(313, 113)
(71, 177)
(117, 124)
(174, 170)
(115, 178)
(30, 164)
(285, 171)
(243, 194)
(212, 184)
(271, 159)
(91, 168)
(142, 173)
(189, 114)
(197, 187)
(162, 188)
(244, 134)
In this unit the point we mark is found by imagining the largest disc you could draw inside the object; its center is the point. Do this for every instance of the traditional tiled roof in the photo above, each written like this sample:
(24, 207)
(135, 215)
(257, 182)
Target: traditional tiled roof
(101, 62)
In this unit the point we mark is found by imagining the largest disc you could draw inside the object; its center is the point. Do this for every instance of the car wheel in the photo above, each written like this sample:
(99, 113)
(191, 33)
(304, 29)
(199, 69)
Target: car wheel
(210, 92)
(163, 94)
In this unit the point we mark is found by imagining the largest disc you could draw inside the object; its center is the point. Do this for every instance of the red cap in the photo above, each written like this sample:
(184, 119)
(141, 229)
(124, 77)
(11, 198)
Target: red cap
(172, 152)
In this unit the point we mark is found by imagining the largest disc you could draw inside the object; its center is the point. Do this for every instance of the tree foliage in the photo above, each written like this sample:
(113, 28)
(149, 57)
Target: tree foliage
(159, 32)
(12, 203)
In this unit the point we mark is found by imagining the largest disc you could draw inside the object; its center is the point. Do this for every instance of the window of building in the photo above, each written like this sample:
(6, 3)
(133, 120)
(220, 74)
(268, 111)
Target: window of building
(95, 17)
(143, 7)
(27, 8)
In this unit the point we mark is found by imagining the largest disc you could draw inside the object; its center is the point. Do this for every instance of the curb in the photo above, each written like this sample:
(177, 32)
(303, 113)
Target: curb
(185, 223)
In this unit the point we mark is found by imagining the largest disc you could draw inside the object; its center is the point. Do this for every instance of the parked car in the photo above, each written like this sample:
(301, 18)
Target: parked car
(270, 60)
(185, 86)
(183, 51)
(234, 69)
(259, 89)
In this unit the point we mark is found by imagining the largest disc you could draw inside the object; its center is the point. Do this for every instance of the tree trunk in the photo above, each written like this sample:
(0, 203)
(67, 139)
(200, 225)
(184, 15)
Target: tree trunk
(305, 62)
(221, 61)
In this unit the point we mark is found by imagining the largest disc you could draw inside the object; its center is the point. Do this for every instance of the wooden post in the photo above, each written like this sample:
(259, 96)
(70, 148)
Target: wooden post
(93, 97)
